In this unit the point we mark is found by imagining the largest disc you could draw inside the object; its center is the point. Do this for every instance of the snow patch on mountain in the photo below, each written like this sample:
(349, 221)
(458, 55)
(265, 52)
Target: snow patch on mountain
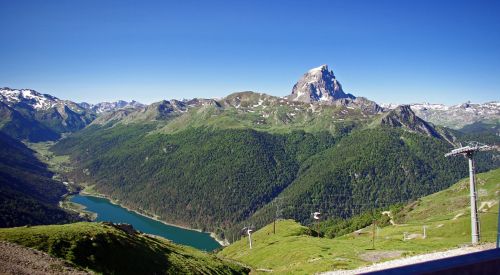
(111, 106)
(455, 116)
(31, 97)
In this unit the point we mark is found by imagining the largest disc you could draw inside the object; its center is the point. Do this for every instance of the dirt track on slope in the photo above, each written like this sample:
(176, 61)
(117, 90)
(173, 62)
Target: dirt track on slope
(17, 259)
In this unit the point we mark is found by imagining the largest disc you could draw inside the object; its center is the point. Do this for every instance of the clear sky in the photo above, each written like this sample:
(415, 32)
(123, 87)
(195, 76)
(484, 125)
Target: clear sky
(388, 51)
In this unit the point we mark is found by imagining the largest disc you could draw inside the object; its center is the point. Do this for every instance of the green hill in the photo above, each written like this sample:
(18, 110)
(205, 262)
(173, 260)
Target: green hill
(445, 215)
(108, 249)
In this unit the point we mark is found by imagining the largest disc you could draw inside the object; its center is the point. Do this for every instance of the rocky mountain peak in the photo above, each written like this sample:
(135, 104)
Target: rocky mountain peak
(318, 85)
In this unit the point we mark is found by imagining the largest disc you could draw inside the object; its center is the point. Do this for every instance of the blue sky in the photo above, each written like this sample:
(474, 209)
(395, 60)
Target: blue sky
(388, 51)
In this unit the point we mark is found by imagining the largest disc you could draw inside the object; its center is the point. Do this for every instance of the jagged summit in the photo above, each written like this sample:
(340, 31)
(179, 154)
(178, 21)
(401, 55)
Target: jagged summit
(318, 84)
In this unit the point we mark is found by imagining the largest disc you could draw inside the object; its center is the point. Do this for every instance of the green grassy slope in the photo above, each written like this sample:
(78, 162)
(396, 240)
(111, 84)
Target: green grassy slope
(109, 250)
(242, 111)
(274, 118)
(445, 214)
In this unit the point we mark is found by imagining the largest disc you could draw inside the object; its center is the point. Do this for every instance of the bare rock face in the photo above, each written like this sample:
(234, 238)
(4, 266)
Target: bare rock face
(404, 117)
(125, 227)
(318, 85)
(365, 105)
(103, 107)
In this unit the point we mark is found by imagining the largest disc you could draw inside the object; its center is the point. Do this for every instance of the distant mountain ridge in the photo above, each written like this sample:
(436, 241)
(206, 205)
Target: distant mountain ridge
(111, 106)
(317, 101)
(27, 114)
(35, 100)
(310, 99)
(30, 115)
(456, 116)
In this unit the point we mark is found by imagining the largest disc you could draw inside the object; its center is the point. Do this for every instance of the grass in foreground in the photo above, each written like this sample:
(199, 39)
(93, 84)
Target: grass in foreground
(445, 214)
(106, 249)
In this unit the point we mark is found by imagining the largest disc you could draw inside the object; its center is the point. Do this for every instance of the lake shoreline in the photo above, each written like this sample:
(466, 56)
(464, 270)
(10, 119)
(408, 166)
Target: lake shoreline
(223, 243)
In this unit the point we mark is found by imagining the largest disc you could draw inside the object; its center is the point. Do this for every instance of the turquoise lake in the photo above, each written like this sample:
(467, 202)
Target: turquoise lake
(106, 211)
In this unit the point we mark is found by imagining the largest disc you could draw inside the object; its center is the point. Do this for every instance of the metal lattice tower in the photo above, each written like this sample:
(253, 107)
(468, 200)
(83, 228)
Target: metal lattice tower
(278, 202)
(469, 151)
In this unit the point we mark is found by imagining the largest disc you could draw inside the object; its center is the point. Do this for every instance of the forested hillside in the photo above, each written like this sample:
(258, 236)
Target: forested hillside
(16, 125)
(28, 195)
(198, 177)
(350, 243)
(368, 169)
(220, 179)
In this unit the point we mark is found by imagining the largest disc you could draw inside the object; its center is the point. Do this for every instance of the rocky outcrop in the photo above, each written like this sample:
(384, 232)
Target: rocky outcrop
(403, 117)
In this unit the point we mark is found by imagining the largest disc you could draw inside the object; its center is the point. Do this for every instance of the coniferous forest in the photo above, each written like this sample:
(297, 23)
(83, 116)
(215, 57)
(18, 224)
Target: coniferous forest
(221, 179)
